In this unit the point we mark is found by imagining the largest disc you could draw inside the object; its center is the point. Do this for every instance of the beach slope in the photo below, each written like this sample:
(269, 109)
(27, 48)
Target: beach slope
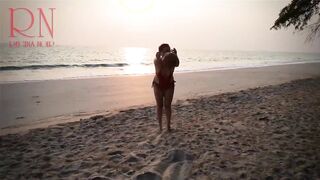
(28, 105)
(268, 132)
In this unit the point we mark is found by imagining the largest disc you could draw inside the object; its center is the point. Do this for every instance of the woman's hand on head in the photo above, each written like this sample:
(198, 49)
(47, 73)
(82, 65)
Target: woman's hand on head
(158, 55)
(174, 51)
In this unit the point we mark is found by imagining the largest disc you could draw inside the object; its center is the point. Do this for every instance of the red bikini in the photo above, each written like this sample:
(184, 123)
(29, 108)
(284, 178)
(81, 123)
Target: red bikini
(164, 82)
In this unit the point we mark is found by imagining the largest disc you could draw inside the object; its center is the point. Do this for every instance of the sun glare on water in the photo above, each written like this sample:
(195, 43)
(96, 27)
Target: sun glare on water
(136, 58)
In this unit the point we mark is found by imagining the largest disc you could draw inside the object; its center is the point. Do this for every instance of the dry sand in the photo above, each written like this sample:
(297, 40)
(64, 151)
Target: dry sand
(39, 104)
(269, 132)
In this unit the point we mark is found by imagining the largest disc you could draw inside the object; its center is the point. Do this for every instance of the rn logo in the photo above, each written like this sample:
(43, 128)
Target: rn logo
(32, 31)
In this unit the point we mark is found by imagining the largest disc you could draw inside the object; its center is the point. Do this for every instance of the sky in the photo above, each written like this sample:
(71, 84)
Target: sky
(184, 24)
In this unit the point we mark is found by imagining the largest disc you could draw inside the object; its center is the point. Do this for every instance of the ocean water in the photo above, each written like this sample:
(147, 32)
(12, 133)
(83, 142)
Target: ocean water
(66, 62)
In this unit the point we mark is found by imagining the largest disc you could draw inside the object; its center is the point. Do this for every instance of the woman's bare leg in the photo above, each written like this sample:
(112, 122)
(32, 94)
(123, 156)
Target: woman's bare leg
(168, 96)
(158, 94)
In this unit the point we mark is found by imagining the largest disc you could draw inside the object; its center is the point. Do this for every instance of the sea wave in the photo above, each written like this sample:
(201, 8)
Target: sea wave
(52, 66)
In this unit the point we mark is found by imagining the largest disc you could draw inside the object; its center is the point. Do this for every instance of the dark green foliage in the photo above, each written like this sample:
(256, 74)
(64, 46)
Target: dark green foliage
(298, 13)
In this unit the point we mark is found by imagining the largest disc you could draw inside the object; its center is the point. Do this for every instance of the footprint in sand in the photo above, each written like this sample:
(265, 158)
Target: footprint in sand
(116, 155)
(132, 158)
(175, 165)
(157, 139)
(36, 98)
(152, 139)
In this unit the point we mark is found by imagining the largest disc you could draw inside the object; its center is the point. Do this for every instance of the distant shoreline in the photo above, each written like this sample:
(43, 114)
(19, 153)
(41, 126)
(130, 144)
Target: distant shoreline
(148, 74)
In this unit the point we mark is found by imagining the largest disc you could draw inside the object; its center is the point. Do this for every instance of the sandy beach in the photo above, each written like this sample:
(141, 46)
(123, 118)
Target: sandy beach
(42, 103)
(267, 132)
(83, 84)
(241, 123)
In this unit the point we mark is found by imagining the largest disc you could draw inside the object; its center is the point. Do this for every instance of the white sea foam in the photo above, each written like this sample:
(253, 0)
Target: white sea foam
(28, 64)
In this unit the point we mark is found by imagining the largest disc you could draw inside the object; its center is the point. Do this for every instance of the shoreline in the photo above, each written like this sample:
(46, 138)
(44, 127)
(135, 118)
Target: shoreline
(266, 132)
(151, 74)
(39, 104)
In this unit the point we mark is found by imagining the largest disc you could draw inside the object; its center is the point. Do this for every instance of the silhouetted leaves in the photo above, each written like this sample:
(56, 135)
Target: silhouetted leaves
(298, 13)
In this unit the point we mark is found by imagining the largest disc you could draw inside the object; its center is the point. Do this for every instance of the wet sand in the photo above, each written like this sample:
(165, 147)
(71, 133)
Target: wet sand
(270, 132)
(40, 104)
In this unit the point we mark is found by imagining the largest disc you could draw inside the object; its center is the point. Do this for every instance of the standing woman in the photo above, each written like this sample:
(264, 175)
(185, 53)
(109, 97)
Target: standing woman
(163, 82)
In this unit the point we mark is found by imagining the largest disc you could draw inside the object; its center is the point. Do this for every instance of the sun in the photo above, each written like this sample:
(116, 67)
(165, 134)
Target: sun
(137, 6)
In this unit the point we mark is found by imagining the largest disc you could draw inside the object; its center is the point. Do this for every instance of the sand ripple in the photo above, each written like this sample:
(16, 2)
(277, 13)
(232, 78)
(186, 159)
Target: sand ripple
(263, 133)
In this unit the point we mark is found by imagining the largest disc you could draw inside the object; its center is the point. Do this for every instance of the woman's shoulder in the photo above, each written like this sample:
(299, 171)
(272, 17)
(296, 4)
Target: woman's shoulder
(157, 61)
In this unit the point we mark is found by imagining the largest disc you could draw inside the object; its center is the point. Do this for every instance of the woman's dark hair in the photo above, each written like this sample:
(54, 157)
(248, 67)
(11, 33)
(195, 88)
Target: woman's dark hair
(171, 60)
(162, 46)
